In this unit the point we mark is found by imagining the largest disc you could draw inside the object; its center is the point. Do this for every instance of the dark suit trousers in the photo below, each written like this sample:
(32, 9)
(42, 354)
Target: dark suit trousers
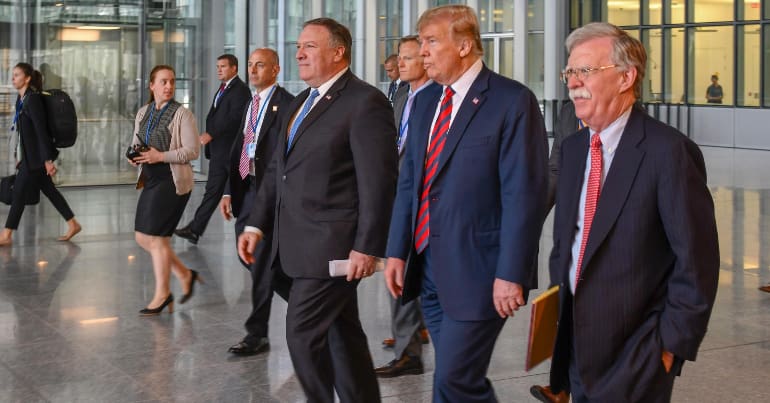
(327, 343)
(463, 348)
(261, 275)
(29, 181)
(406, 322)
(660, 394)
(215, 187)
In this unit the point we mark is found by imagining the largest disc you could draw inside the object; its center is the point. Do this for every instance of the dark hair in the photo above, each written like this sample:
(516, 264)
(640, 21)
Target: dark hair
(232, 60)
(155, 71)
(36, 79)
(408, 38)
(391, 59)
(340, 35)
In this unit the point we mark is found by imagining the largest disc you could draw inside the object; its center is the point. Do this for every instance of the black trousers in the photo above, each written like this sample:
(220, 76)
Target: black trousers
(264, 279)
(30, 181)
(327, 343)
(215, 187)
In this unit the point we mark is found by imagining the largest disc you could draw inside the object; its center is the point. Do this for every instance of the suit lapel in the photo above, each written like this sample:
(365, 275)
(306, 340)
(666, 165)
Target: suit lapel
(472, 102)
(270, 113)
(571, 177)
(617, 185)
(323, 104)
(423, 110)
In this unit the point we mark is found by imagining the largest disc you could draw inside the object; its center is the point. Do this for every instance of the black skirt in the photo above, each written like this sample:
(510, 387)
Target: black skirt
(159, 208)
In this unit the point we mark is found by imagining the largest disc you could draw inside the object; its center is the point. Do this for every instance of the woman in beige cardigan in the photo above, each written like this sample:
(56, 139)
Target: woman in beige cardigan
(166, 140)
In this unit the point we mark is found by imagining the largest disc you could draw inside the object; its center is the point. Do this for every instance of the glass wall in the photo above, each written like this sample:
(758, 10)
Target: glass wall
(100, 52)
(688, 43)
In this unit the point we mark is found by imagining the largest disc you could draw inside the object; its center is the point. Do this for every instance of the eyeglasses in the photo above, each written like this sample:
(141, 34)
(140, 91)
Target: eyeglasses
(582, 72)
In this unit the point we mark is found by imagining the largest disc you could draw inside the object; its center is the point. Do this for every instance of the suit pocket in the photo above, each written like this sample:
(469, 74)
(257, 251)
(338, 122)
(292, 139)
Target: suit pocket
(337, 214)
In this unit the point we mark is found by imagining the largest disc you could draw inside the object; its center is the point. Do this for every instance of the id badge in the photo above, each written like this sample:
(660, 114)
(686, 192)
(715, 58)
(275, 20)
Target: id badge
(251, 149)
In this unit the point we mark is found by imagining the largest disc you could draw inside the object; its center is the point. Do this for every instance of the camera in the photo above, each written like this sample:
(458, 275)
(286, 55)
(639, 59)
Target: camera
(135, 150)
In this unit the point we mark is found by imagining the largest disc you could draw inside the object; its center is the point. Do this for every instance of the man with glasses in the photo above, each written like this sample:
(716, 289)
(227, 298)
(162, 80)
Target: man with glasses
(635, 248)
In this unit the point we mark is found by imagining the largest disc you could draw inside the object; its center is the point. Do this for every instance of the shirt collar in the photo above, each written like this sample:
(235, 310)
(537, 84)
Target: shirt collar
(230, 80)
(422, 87)
(611, 135)
(264, 93)
(323, 88)
(463, 84)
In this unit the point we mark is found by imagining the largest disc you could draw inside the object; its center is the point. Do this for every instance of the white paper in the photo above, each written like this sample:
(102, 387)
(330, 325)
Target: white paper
(338, 268)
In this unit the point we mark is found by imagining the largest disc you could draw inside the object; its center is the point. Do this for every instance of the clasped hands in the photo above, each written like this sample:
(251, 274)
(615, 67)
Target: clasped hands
(507, 296)
(361, 264)
(151, 156)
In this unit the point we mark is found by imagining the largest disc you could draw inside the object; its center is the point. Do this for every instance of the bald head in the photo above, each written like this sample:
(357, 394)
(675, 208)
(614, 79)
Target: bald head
(263, 68)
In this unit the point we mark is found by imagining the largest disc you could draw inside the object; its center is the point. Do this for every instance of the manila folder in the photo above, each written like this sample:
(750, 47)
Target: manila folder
(542, 327)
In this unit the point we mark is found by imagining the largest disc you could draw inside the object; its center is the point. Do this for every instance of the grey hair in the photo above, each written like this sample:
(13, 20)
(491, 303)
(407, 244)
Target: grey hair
(627, 51)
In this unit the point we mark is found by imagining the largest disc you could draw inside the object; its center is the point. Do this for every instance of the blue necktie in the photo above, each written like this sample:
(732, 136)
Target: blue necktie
(300, 118)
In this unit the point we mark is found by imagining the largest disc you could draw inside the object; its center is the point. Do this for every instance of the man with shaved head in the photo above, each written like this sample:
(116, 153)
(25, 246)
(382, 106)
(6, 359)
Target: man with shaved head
(249, 156)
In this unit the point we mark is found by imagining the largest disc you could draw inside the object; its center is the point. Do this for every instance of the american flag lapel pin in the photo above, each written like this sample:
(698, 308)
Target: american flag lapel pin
(475, 101)
(328, 97)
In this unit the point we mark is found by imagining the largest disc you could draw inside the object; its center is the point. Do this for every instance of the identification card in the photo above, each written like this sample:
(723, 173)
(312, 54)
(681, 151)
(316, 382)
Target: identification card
(251, 149)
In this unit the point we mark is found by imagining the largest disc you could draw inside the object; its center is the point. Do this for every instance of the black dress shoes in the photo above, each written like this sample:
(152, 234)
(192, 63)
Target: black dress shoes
(186, 233)
(406, 365)
(250, 348)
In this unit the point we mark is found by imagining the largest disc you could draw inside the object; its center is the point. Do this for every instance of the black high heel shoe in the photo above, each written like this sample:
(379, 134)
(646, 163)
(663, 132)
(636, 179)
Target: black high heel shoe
(155, 311)
(193, 279)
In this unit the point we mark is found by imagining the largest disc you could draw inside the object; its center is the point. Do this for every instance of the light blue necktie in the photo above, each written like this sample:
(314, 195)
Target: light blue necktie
(300, 118)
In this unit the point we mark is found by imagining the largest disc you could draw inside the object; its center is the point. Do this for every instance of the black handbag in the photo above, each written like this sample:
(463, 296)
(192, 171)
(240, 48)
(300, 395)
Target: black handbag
(7, 188)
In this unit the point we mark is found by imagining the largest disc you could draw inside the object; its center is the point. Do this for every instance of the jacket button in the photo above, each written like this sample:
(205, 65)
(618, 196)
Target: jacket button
(283, 178)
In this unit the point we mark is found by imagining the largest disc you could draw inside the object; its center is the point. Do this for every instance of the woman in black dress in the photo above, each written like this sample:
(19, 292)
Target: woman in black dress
(168, 132)
(35, 154)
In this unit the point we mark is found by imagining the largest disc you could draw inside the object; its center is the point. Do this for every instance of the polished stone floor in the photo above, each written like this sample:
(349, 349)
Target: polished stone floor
(69, 329)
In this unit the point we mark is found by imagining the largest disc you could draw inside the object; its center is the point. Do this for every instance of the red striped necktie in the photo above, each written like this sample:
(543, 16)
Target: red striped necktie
(437, 141)
(593, 189)
(248, 138)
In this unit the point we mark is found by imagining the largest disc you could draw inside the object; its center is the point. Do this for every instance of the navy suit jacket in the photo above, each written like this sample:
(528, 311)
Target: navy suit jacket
(223, 119)
(487, 201)
(333, 191)
(275, 111)
(650, 267)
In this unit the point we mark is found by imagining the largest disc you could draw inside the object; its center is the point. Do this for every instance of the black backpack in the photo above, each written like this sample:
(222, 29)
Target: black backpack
(62, 119)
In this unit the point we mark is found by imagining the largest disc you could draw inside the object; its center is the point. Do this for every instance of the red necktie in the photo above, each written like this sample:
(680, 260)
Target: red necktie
(248, 138)
(437, 140)
(593, 190)
(219, 93)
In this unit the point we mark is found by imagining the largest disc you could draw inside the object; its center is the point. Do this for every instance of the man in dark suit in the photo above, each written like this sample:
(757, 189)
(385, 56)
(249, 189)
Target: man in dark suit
(391, 70)
(249, 157)
(635, 242)
(406, 319)
(327, 196)
(222, 124)
(470, 204)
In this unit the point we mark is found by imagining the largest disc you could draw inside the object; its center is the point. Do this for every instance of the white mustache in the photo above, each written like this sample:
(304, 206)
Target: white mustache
(579, 93)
